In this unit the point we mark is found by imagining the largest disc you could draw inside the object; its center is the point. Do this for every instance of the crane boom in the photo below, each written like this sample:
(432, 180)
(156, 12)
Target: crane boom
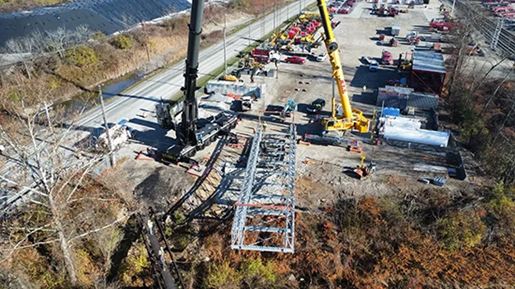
(334, 58)
(352, 118)
(188, 128)
(193, 135)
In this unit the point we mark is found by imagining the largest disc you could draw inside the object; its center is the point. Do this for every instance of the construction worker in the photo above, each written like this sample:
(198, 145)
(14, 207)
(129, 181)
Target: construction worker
(264, 126)
(364, 88)
(162, 257)
(150, 224)
(168, 220)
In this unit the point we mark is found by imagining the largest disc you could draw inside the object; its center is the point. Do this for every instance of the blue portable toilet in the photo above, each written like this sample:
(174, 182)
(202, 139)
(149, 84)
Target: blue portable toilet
(390, 111)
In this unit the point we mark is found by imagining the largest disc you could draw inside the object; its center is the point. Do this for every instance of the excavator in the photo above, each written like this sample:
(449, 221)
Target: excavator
(364, 171)
(352, 118)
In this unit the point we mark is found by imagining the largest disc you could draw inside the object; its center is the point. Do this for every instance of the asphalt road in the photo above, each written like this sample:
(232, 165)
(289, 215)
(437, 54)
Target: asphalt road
(146, 94)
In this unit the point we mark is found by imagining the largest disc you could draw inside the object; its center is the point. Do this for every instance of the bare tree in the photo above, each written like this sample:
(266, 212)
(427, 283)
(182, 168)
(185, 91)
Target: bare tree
(58, 39)
(39, 40)
(20, 52)
(82, 34)
(62, 202)
(494, 94)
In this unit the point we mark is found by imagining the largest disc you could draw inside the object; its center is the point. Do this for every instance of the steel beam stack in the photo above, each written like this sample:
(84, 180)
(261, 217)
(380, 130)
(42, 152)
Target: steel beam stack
(264, 219)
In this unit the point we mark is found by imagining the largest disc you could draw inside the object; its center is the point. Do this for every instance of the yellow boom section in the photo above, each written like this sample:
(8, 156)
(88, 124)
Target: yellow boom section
(352, 118)
(334, 58)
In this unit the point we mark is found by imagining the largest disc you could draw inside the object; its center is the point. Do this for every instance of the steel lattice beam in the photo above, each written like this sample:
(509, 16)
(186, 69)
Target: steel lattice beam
(264, 218)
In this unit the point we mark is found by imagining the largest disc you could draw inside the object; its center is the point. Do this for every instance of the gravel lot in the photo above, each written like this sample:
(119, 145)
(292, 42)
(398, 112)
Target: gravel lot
(328, 177)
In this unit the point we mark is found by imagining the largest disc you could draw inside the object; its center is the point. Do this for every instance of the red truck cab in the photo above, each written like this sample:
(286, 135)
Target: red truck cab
(386, 58)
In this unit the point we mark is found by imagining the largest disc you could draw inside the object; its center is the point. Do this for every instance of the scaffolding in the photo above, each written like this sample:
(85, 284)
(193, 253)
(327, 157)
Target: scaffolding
(264, 218)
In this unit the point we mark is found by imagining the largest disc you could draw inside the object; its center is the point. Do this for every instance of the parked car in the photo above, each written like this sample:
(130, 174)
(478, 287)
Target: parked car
(344, 10)
(321, 57)
(349, 3)
(373, 66)
(316, 106)
(295, 59)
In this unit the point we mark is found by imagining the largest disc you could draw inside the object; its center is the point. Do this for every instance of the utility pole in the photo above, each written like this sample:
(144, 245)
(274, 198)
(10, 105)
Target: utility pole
(275, 11)
(452, 9)
(249, 35)
(48, 118)
(146, 39)
(300, 6)
(263, 20)
(109, 142)
(225, 48)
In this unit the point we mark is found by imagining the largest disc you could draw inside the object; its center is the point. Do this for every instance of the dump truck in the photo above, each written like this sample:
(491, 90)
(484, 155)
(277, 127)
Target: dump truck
(265, 55)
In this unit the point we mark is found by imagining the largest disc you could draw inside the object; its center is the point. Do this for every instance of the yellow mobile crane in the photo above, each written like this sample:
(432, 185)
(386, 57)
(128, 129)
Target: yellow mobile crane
(351, 118)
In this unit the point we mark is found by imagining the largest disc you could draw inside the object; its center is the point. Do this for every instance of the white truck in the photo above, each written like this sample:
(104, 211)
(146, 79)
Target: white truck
(395, 29)
(120, 133)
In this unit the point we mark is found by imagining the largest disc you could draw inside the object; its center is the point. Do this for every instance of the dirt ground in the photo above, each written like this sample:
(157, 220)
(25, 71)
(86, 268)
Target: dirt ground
(329, 175)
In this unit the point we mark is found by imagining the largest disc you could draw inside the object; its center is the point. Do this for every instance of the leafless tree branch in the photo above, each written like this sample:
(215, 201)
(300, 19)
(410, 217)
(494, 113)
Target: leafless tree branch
(98, 229)
(92, 199)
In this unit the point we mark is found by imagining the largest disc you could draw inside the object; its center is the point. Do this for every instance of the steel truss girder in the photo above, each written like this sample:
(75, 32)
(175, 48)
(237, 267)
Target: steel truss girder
(265, 210)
